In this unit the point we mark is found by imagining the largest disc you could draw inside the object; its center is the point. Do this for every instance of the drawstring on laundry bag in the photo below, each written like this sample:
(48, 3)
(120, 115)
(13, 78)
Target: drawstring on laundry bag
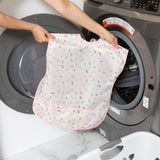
(76, 89)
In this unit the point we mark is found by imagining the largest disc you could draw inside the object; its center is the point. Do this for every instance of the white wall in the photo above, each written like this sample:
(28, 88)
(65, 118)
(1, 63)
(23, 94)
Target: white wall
(23, 8)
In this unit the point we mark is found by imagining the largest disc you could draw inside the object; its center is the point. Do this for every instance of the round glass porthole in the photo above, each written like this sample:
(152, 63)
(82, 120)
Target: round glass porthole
(27, 65)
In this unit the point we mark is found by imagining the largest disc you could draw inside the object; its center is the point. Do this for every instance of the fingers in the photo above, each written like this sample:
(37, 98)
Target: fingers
(41, 39)
(115, 43)
(109, 37)
(41, 35)
(50, 36)
(45, 37)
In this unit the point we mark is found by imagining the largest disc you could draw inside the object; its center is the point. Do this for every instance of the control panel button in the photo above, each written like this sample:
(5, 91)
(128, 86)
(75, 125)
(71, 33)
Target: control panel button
(117, 1)
(149, 5)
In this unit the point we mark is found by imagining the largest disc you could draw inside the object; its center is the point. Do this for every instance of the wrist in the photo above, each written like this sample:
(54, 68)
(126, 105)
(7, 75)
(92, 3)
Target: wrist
(32, 27)
(102, 32)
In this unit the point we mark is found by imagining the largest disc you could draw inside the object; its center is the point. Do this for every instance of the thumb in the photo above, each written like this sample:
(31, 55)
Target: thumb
(50, 36)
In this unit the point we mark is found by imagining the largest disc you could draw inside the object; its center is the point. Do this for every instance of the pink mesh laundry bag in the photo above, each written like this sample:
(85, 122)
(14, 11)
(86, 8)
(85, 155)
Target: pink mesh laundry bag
(76, 89)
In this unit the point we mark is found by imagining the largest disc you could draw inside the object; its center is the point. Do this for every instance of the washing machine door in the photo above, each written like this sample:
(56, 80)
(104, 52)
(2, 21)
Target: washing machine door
(23, 60)
(133, 94)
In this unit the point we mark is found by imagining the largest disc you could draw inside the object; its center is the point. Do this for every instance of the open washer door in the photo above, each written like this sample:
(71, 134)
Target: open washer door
(22, 61)
(134, 93)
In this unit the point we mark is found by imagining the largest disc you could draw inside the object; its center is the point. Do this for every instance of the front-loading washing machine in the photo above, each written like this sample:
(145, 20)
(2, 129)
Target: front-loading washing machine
(135, 95)
(22, 65)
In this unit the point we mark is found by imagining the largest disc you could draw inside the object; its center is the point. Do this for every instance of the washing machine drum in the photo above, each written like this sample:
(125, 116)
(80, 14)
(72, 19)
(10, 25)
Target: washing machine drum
(23, 61)
(133, 94)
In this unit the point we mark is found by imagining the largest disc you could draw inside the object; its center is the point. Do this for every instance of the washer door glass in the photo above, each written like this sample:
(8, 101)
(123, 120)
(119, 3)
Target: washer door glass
(23, 60)
(28, 62)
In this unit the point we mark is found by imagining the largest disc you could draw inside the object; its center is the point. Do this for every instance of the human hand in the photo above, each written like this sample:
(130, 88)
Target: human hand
(40, 34)
(109, 37)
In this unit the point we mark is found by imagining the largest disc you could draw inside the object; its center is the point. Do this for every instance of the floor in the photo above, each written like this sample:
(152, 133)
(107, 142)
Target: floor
(67, 147)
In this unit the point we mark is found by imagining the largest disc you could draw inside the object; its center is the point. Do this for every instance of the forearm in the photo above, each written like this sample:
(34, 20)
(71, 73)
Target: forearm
(75, 14)
(13, 23)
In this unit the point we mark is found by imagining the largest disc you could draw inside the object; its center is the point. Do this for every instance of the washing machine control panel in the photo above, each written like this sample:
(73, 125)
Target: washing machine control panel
(145, 6)
(150, 5)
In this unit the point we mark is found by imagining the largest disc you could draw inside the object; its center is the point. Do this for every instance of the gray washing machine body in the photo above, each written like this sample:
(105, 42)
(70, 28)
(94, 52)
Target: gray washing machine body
(22, 61)
(134, 102)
